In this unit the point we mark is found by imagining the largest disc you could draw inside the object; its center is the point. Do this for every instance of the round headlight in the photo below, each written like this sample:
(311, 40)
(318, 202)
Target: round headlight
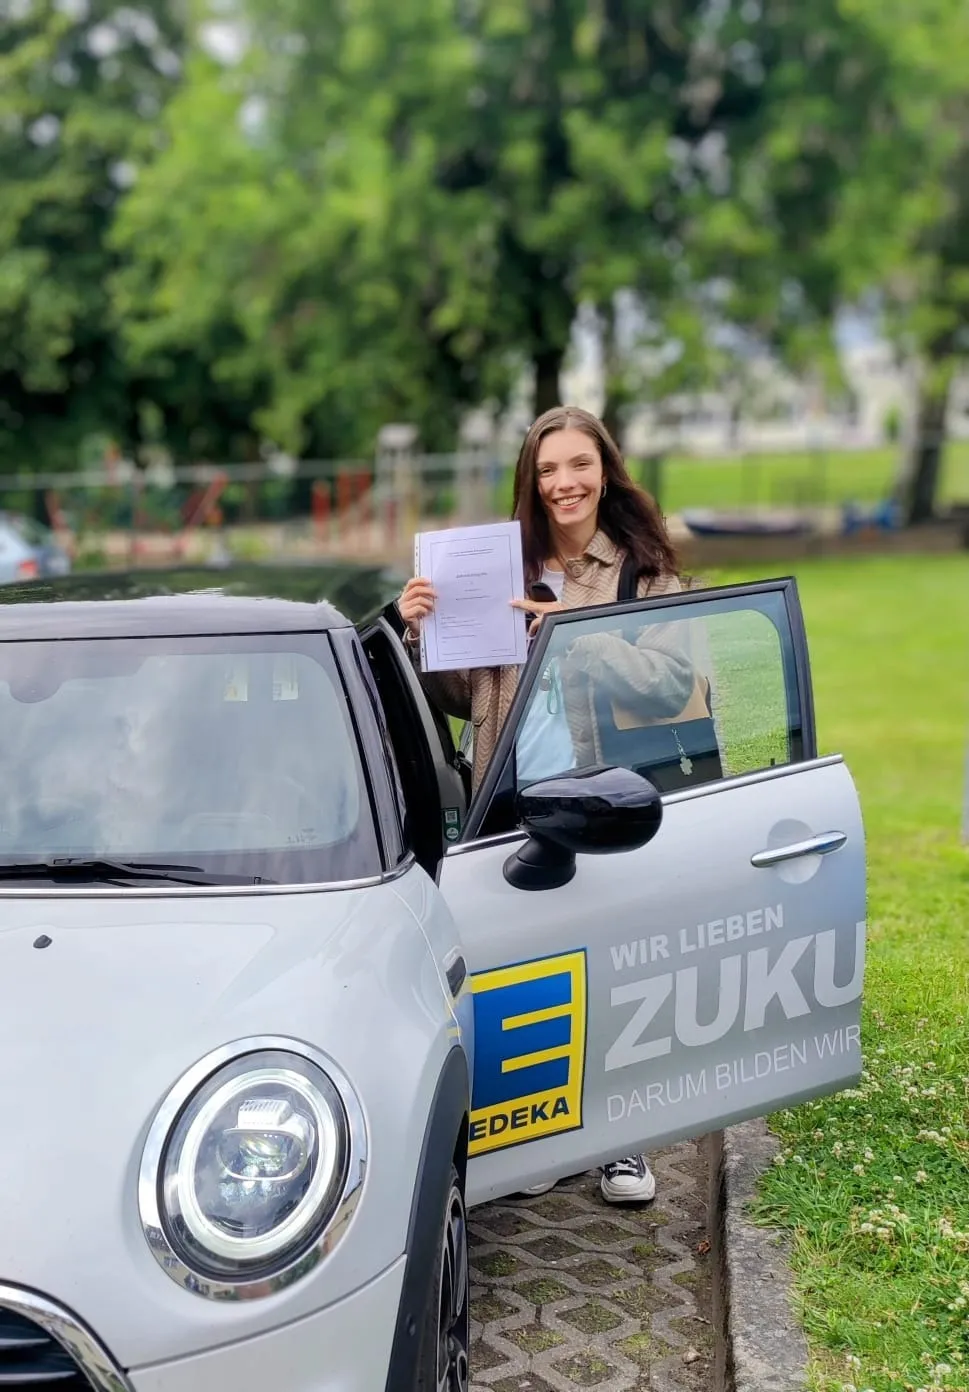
(249, 1169)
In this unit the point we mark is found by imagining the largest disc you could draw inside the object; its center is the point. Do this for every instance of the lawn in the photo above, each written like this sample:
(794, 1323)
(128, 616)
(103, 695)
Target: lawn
(873, 1184)
(783, 480)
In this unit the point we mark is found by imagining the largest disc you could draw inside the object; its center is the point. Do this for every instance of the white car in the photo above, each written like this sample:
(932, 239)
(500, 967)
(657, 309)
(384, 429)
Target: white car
(279, 1001)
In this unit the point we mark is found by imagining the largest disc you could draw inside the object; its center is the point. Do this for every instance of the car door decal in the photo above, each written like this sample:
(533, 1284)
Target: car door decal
(529, 1058)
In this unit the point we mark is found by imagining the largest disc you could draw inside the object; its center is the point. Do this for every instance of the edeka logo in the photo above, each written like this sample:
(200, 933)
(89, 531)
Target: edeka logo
(529, 1051)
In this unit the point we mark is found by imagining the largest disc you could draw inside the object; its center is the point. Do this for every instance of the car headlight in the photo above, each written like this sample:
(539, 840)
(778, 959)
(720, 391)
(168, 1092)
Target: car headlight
(251, 1169)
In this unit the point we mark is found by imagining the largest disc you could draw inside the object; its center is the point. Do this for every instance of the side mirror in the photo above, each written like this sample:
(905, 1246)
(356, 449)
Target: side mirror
(592, 811)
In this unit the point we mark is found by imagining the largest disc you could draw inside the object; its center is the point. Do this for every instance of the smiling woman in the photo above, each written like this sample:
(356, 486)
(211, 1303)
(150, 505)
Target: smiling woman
(582, 519)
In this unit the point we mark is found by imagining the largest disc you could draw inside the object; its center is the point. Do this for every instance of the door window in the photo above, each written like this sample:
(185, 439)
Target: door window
(680, 700)
(686, 691)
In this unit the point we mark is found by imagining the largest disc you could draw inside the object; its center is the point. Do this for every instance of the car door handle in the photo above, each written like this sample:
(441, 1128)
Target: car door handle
(822, 844)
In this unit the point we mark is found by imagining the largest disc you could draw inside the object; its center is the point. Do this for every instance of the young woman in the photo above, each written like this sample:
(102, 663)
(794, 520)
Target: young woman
(581, 514)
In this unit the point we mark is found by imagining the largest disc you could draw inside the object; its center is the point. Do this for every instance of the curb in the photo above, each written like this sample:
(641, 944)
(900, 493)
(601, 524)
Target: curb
(760, 1345)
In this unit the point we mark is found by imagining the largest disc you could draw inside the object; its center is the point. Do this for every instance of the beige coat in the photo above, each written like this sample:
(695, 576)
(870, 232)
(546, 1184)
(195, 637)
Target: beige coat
(657, 668)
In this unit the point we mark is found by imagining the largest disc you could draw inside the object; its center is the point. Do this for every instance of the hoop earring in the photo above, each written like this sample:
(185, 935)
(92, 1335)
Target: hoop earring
(604, 487)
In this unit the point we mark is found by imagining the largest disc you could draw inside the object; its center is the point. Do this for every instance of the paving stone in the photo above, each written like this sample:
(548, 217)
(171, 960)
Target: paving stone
(542, 1290)
(599, 1273)
(535, 1339)
(570, 1293)
(550, 1247)
(523, 1382)
(592, 1317)
(586, 1369)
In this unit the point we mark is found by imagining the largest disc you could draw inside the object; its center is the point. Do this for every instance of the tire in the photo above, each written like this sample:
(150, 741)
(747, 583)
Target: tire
(445, 1340)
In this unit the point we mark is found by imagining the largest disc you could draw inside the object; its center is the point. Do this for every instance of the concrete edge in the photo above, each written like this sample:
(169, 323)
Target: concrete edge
(760, 1345)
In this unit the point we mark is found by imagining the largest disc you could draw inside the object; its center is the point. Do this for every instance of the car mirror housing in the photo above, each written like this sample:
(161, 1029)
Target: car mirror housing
(591, 811)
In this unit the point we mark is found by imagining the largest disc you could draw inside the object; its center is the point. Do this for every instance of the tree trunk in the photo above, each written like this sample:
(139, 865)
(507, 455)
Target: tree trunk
(611, 418)
(612, 374)
(548, 368)
(924, 466)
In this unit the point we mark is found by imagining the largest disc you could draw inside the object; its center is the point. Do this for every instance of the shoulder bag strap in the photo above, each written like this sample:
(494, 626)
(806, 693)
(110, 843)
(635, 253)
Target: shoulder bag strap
(628, 581)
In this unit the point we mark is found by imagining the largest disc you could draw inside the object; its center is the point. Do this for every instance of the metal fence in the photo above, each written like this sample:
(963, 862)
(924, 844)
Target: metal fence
(373, 506)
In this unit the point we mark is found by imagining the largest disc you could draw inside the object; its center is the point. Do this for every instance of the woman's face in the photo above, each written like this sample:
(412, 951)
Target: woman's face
(569, 474)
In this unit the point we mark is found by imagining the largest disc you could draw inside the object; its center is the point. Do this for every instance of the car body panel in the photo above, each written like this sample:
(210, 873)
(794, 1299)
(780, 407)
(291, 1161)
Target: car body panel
(701, 1075)
(437, 923)
(345, 1348)
(99, 1025)
(355, 591)
(682, 986)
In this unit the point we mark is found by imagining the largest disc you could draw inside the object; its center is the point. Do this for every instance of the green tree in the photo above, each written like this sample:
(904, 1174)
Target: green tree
(918, 229)
(306, 246)
(81, 86)
(427, 194)
(847, 185)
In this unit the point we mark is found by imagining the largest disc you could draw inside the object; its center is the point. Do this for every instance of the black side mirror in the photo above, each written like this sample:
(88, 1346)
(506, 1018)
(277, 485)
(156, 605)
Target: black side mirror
(592, 811)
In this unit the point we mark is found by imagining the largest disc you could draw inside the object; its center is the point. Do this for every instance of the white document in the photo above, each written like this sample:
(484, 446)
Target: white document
(476, 571)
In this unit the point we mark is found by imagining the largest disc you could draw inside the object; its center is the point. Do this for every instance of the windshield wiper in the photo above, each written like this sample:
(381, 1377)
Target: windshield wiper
(77, 868)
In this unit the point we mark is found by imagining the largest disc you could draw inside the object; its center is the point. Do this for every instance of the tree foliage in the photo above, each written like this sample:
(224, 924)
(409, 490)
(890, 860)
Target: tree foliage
(81, 88)
(360, 211)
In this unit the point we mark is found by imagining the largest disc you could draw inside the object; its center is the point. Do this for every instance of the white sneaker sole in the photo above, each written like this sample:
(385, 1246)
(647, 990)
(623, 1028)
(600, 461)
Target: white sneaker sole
(643, 1191)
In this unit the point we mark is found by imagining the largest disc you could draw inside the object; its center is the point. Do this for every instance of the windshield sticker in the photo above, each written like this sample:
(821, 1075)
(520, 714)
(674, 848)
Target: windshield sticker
(285, 680)
(236, 682)
(529, 1055)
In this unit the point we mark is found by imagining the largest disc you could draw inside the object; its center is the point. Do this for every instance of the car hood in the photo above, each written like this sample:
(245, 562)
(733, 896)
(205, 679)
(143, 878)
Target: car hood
(97, 1026)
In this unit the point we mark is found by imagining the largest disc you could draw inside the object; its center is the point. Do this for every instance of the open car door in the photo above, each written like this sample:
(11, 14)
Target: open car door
(676, 946)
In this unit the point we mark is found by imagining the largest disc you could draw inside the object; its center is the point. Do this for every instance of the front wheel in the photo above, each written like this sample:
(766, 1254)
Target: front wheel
(444, 1361)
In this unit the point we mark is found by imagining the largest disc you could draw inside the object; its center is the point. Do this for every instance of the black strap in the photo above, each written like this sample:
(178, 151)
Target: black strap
(628, 581)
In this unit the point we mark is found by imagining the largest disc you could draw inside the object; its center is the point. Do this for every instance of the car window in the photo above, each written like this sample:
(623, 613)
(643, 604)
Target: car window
(235, 755)
(683, 695)
(32, 531)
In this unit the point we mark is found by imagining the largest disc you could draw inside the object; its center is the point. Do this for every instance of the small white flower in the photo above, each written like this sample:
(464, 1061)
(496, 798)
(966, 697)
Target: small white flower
(858, 1169)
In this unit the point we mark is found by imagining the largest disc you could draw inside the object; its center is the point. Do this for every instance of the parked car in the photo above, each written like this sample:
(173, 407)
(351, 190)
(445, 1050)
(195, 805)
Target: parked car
(29, 549)
(280, 1001)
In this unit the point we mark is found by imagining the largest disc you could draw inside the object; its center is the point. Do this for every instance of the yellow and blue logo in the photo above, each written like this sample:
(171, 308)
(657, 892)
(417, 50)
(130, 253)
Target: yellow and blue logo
(529, 1051)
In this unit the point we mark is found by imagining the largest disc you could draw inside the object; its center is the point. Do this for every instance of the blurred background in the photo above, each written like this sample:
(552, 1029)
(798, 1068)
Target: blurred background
(289, 278)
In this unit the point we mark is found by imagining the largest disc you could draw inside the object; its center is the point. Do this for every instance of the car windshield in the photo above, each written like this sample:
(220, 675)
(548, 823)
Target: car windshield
(234, 756)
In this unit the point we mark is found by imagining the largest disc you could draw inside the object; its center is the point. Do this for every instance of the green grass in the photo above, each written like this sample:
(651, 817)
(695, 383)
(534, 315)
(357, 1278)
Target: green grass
(824, 477)
(873, 1187)
(750, 703)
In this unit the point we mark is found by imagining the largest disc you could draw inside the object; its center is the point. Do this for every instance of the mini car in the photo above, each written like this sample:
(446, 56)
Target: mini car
(282, 999)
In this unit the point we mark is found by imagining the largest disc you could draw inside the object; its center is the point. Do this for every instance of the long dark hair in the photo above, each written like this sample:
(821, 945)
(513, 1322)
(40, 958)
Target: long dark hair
(627, 514)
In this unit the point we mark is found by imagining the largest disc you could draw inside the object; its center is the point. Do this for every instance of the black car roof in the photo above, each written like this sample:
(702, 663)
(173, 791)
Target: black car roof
(196, 600)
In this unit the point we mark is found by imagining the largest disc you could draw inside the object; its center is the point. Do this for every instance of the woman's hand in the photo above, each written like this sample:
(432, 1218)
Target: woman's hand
(416, 602)
(539, 609)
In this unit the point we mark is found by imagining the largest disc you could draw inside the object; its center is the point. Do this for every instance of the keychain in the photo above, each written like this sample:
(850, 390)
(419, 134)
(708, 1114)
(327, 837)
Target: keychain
(686, 763)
